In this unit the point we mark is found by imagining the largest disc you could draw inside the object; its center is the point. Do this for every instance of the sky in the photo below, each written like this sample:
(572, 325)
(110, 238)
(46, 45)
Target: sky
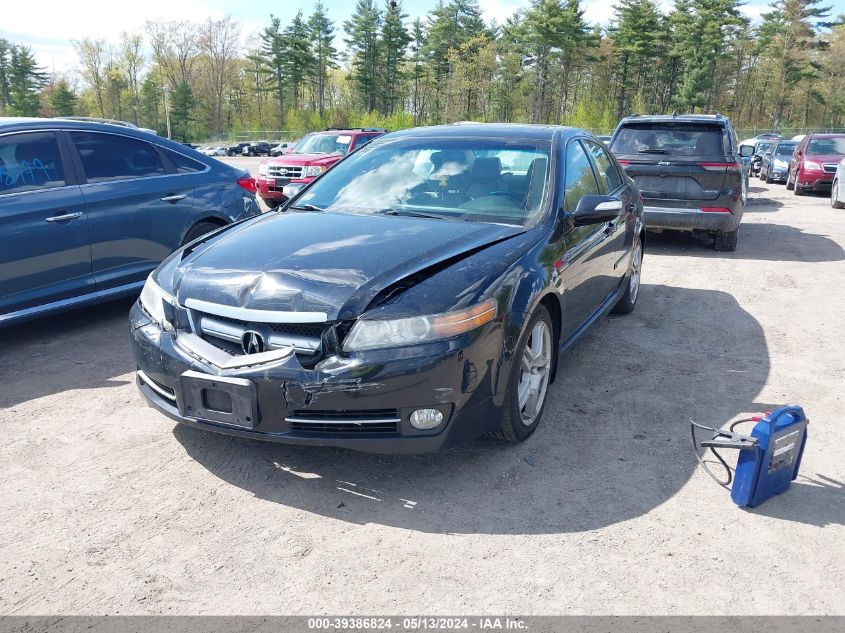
(59, 21)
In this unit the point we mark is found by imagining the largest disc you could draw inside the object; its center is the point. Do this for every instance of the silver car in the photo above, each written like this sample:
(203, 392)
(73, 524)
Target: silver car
(837, 190)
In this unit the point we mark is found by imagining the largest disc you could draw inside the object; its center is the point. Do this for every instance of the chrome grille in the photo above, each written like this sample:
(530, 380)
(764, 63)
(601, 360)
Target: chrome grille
(227, 333)
(830, 168)
(284, 171)
(377, 421)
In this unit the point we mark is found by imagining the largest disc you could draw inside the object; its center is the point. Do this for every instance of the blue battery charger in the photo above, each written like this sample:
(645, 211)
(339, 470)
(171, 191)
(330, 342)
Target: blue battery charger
(769, 458)
(769, 468)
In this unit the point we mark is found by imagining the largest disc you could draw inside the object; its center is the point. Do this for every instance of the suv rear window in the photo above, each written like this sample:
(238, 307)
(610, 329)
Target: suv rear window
(677, 139)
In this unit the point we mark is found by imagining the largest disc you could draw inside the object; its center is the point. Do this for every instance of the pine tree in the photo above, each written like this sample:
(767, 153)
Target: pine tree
(299, 59)
(182, 111)
(321, 33)
(789, 34)
(25, 82)
(362, 31)
(5, 53)
(701, 38)
(553, 29)
(394, 44)
(451, 25)
(635, 34)
(273, 60)
(62, 99)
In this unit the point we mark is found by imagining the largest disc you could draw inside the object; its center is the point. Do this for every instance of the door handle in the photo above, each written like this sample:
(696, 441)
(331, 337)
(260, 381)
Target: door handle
(67, 217)
(173, 198)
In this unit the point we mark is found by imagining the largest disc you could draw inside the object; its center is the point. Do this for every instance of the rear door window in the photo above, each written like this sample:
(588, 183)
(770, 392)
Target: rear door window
(30, 161)
(609, 177)
(182, 163)
(675, 139)
(108, 157)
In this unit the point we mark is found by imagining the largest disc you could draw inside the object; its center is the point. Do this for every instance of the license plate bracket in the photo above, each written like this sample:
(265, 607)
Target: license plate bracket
(219, 399)
(281, 182)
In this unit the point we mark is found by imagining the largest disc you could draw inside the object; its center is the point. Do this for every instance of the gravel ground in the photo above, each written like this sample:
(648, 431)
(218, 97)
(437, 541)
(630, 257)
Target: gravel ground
(111, 508)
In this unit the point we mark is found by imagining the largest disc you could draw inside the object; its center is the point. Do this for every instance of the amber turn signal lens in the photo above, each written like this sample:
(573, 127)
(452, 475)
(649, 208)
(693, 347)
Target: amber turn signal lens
(465, 320)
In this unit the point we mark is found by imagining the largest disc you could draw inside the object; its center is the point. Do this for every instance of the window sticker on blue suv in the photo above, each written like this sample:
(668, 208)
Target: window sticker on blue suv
(30, 161)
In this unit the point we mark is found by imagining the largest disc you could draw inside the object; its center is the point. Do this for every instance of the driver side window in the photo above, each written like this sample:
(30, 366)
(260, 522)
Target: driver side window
(579, 177)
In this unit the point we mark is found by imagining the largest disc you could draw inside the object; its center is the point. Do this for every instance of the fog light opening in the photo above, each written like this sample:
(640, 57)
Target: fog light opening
(425, 419)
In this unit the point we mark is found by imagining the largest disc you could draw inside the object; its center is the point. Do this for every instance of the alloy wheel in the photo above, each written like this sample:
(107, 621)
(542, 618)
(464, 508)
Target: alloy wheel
(534, 373)
(636, 265)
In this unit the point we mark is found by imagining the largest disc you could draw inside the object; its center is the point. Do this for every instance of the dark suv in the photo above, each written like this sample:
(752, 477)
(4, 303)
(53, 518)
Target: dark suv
(689, 170)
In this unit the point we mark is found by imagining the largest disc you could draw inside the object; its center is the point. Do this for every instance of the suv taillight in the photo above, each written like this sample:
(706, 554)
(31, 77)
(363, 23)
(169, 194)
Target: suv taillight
(720, 166)
(248, 183)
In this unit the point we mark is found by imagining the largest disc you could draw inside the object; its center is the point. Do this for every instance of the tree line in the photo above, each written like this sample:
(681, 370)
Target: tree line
(545, 64)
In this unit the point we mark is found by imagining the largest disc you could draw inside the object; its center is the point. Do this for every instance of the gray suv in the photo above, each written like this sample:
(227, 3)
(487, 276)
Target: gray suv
(689, 171)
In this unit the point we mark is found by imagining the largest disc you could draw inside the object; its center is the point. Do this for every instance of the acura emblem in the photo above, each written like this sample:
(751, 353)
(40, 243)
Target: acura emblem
(252, 342)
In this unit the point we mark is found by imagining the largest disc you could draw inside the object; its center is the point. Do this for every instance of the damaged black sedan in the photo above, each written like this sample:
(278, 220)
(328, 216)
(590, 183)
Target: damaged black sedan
(415, 296)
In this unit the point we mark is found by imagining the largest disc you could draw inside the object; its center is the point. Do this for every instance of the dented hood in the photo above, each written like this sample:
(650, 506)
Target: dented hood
(324, 262)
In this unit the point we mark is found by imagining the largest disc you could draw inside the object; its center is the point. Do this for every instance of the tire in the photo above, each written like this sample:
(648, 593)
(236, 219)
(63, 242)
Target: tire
(517, 425)
(769, 179)
(726, 240)
(626, 303)
(198, 230)
(272, 204)
(798, 190)
(789, 184)
(834, 196)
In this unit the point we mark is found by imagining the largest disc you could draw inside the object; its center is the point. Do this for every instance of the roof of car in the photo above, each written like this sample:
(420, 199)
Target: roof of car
(489, 130)
(676, 118)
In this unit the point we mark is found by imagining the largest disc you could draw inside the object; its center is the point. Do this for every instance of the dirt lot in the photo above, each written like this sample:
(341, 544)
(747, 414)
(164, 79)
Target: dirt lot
(109, 507)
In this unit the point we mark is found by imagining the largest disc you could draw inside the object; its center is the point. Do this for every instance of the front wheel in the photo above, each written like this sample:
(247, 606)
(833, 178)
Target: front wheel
(835, 202)
(198, 230)
(626, 303)
(529, 380)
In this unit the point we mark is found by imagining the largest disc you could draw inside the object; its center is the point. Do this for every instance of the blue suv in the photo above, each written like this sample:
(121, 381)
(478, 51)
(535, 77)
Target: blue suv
(88, 210)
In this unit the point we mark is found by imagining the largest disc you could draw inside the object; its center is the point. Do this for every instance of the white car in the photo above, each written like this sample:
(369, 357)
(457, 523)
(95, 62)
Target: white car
(214, 151)
(837, 190)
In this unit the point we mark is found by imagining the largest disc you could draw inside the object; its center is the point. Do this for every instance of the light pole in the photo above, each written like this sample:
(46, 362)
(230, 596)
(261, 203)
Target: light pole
(166, 89)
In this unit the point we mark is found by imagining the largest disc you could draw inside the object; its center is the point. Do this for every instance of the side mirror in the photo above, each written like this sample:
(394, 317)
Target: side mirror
(746, 151)
(596, 209)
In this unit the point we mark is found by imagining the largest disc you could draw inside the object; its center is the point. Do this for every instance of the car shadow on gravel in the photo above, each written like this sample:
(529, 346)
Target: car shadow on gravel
(764, 242)
(613, 445)
(80, 349)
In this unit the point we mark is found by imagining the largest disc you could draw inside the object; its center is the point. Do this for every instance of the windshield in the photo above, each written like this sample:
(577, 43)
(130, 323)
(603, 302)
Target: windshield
(785, 149)
(462, 179)
(324, 144)
(827, 147)
(667, 138)
(762, 147)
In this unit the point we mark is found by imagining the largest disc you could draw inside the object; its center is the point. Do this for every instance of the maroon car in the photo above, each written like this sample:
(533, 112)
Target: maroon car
(281, 177)
(814, 162)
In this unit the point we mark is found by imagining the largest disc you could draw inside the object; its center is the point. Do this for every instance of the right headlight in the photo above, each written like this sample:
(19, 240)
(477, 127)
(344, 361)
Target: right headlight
(153, 299)
(378, 333)
(262, 169)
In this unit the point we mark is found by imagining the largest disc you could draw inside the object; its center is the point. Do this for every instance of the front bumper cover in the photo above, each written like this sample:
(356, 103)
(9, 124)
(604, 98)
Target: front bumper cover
(458, 377)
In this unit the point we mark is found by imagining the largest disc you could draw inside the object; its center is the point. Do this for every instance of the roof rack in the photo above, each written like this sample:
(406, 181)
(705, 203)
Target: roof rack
(357, 129)
(95, 119)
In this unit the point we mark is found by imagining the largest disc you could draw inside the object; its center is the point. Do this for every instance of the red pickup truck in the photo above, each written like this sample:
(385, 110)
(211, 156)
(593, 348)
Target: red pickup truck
(282, 177)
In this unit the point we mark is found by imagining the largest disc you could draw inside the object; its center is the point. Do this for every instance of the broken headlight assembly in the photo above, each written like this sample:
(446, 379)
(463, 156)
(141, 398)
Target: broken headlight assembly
(376, 334)
(152, 299)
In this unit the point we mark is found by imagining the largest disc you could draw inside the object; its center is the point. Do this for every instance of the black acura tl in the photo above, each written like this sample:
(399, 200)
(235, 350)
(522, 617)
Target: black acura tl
(415, 296)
